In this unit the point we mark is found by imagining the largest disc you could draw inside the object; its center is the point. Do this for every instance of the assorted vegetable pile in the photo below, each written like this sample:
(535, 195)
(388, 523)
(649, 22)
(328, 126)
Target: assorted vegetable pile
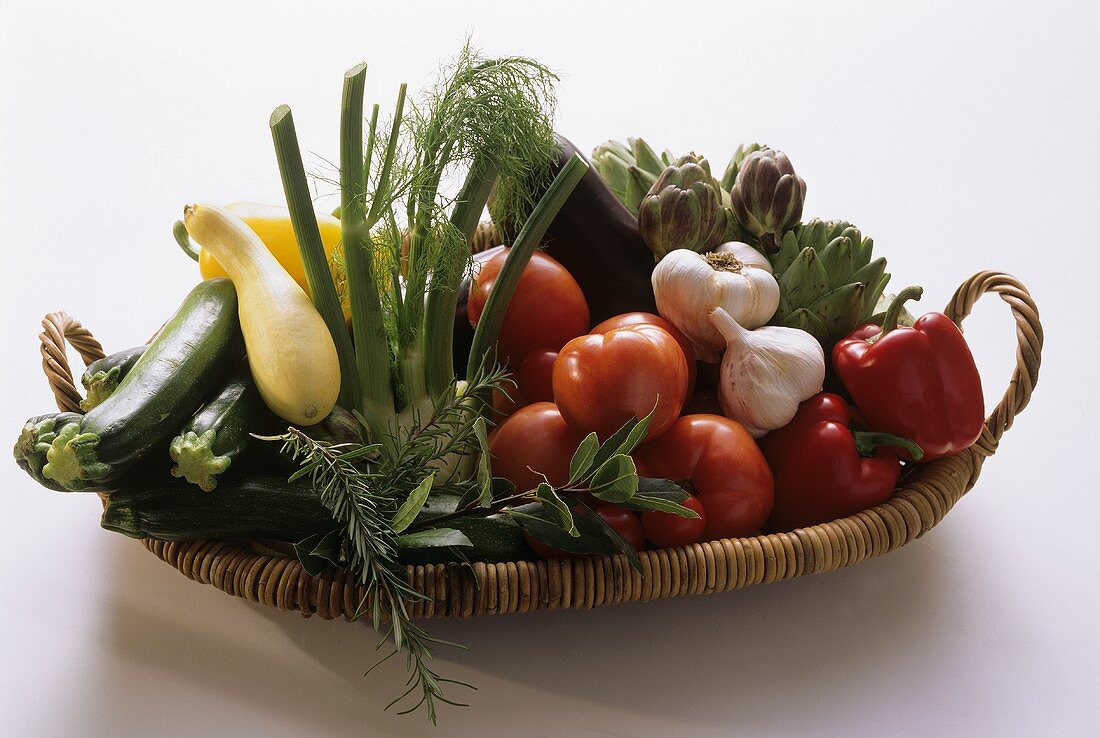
(655, 357)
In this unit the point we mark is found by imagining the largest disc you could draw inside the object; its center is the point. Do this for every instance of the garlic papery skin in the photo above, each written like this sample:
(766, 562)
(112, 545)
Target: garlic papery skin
(766, 373)
(735, 277)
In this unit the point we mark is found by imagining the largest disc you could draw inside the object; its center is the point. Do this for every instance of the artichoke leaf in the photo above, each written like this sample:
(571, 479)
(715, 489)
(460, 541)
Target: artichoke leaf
(837, 257)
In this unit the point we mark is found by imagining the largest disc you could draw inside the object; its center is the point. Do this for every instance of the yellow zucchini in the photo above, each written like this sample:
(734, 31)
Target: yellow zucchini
(272, 224)
(290, 350)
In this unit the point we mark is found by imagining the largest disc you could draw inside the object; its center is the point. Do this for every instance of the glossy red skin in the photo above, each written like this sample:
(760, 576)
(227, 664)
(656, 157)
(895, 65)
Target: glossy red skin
(535, 375)
(547, 309)
(666, 530)
(625, 522)
(819, 474)
(919, 383)
(535, 442)
(724, 466)
(640, 318)
(507, 401)
(603, 380)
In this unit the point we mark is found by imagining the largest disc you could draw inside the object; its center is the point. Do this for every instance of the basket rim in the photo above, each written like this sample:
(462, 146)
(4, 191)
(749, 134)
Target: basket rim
(464, 590)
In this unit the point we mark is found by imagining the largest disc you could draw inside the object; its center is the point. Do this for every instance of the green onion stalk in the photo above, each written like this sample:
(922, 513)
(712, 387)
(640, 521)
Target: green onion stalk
(485, 119)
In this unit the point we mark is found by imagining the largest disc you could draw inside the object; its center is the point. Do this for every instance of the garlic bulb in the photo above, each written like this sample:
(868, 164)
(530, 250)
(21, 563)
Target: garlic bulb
(734, 277)
(766, 373)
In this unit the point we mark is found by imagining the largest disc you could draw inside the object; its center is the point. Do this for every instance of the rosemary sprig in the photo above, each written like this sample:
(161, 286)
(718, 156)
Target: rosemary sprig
(363, 488)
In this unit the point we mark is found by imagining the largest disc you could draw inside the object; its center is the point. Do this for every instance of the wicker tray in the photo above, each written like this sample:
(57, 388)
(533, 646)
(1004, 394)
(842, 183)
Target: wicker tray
(453, 590)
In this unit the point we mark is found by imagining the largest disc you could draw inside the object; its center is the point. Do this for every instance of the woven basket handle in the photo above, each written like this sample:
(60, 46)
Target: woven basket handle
(1029, 348)
(57, 328)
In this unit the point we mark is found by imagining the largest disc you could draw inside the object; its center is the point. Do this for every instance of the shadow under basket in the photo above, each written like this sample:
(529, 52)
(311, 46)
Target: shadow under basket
(455, 590)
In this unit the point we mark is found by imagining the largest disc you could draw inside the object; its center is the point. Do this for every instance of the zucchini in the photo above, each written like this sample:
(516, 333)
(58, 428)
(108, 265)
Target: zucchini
(35, 439)
(182, 365)
(220, 431)
(241, 507)
(270, 507)
(294, 359)
(101, 377)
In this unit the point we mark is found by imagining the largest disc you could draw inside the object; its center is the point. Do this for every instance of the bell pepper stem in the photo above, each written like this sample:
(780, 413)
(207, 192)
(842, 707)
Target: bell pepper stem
(893, 313)
(867, 442)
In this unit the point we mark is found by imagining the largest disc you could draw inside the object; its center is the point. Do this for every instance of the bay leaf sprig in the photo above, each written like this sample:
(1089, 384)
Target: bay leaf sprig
(376, 493)
(563, 516)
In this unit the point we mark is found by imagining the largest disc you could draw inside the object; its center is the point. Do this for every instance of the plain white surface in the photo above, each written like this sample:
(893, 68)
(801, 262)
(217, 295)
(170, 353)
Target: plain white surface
(961, 136)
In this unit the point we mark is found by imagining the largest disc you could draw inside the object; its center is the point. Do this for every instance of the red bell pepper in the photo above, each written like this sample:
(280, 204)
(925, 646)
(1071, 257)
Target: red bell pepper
(824, 469)
(919, 383)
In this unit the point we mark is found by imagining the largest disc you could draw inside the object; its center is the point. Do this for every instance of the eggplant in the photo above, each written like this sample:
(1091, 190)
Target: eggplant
(597, 239)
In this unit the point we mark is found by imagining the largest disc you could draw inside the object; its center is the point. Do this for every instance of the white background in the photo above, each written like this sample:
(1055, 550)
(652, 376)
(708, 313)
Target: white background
(961, 136)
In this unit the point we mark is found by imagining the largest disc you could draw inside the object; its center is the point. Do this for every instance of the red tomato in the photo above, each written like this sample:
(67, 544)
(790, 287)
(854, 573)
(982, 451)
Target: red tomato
(547, 309)
(639, 318)
(532, 446)
(507, 401)
(666, 530)
(723, 464)
(602, 381)
(535, 375)
(625, 522)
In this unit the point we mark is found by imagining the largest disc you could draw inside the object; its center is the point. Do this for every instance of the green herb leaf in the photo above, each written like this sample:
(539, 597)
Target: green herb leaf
(304, 470)
(616, 480)
(581, 464)
(614, 444)
(434, 538)
(498, 488)
(484, 471)
(655, 489)
(659, 504)
(412, 505)
(537, 522)
(318, 551)
(550, 500)
(637, 433)
(612, 535)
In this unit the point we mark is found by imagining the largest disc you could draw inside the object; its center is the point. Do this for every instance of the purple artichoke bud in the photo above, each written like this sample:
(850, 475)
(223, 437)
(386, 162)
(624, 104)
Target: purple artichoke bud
(341, 426)
(683, 210)
(767, 197)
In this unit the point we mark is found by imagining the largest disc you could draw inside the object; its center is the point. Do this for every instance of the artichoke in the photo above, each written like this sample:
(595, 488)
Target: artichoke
(828, 282)
(339, 426)
(736, 161)
(628, 169)
(683, 209)
(767, 197)
(631, 169)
